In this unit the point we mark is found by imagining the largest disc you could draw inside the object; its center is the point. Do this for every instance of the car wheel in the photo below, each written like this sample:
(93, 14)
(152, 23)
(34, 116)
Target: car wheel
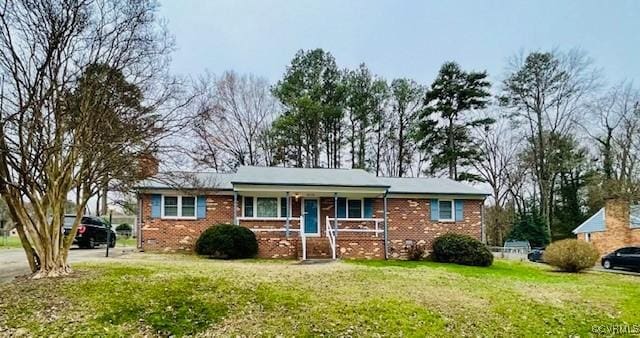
(112, 244)
(91, 244)
(607, 264)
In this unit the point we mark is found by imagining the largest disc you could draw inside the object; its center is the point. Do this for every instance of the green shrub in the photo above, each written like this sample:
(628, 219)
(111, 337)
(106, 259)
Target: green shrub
(124, 227)
(461, 249)
(227, 241)
(415, 251)
(571, 255)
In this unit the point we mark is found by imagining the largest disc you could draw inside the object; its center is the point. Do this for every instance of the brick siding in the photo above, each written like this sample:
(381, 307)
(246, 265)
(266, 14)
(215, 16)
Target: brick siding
(618, 233)
(409, 219)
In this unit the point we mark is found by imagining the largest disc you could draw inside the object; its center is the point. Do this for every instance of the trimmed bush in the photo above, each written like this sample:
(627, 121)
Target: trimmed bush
(227, 241)
(571, 255)
(415, 252)
(461, 249)
(124, 227)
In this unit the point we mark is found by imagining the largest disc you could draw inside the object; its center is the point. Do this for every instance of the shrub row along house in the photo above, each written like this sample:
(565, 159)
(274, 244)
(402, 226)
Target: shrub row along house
(308, 213)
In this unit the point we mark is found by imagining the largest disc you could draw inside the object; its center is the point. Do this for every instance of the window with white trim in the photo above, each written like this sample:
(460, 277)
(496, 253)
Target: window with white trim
(264, 207)
(445, 209)
(587, 237)
(267, 207)
(178, 206)
(354, 208)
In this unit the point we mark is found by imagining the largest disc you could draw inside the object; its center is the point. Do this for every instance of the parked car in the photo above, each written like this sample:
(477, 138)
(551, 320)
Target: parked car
(536, 255)
(627, 257)
(92, 231)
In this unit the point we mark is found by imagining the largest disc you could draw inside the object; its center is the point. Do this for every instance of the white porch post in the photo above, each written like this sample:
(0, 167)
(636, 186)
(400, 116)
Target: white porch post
(235, 208)
(386, 236)
(288, 204)
(335, 216)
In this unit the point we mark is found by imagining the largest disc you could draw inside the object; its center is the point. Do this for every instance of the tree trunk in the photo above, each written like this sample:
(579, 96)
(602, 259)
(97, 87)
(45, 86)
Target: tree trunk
(105, 191)
(400, 145)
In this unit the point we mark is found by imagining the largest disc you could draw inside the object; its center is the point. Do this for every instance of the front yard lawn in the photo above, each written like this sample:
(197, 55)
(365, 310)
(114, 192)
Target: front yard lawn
(10, 242)
(183, 295)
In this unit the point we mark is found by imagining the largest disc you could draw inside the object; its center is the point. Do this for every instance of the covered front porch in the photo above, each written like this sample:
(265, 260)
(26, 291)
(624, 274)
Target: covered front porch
(341, 219)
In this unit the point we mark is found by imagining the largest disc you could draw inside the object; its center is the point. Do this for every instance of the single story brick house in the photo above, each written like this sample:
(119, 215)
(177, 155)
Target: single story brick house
(612, 227)
(308, 213)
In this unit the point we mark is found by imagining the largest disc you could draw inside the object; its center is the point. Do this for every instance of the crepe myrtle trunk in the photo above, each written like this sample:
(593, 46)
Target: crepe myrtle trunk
(42, 237)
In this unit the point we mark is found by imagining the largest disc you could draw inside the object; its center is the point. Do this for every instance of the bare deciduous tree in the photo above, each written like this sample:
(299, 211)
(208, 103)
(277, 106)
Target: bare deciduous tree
(231, 121)
(544, 92)
(80, 102)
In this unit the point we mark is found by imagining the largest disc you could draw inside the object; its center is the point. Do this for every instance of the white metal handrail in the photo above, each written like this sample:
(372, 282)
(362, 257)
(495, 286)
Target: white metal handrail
(332, 238)
(304, 239)
(376, 221)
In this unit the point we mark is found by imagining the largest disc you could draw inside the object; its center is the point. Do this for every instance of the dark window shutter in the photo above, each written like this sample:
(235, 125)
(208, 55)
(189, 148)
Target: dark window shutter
(435, 210)
(201, 211)
(459, 206)
(156, 205)
(283, 207)
(248, 206)
(368, 208)
(342, 207)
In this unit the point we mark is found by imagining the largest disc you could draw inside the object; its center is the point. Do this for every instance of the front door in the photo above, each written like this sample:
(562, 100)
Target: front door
(311, 217)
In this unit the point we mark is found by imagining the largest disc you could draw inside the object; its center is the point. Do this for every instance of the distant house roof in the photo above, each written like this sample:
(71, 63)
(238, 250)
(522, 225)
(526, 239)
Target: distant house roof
(595, 223)
(252, 175)
(413, 185)
(635, 216)
(188, 180)
(306, 176)
(517, 244)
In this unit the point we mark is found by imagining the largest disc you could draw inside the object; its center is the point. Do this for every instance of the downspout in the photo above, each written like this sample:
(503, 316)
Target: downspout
(288, 214)
(335, 217)
(139, 221)
(483, 233)
(335, 220)
(386, 232)
(235, 207)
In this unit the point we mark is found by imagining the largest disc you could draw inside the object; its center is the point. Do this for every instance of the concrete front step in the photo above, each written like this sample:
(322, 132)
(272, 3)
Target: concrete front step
(317, 261)
(317, 248)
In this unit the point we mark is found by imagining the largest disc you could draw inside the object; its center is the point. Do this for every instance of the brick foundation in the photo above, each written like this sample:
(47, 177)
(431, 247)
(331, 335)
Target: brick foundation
(409, 220)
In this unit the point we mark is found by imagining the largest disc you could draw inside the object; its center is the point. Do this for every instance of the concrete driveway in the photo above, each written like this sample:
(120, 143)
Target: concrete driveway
(13, 262)
(618, 271)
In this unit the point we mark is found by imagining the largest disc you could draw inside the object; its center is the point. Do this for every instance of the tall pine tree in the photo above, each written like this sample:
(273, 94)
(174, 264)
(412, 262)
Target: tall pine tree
(444, 129)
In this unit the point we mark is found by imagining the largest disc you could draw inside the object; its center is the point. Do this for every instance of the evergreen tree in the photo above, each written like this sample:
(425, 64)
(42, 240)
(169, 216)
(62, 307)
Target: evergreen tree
(529, 226)
(365, 96)
(443, 127)
(313, 93)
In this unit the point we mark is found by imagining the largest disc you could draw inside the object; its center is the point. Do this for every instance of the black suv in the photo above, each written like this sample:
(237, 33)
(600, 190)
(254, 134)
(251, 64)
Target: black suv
(628, 257)
(92, 231)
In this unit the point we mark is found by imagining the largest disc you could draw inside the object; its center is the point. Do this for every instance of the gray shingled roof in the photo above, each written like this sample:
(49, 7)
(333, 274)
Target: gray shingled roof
(419, 185)
(309, 177)
(188, 180)
(306, 176)
(595, 223)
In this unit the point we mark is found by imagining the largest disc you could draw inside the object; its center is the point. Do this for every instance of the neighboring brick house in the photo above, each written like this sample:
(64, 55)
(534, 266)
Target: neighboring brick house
(308, 213)
(612, 227)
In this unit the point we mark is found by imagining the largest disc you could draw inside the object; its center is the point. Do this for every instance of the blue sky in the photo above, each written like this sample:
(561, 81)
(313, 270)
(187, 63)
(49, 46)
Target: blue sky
(400, 38)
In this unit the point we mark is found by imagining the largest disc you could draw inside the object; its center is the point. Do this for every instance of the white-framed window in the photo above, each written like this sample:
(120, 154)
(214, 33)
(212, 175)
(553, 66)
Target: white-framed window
(267, 207)
(587, 236)
(176, 206)
(354, 208)
(264, 207)
(446, 210)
